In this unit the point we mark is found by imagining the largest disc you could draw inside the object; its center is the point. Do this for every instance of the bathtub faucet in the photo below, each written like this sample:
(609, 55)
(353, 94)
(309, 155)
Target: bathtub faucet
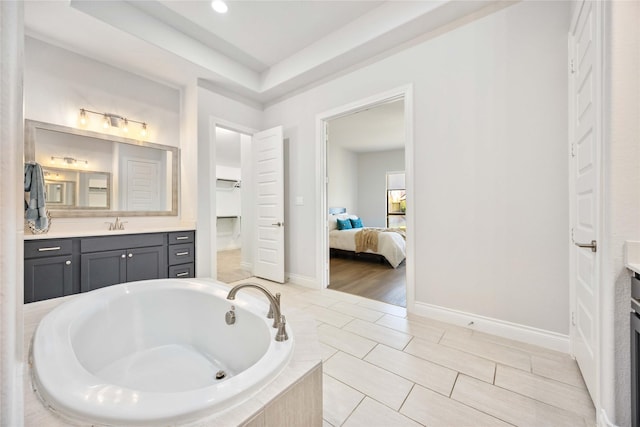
(279, 320)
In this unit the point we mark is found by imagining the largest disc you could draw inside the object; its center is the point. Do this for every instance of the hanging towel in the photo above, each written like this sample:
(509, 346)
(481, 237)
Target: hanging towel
(36, 211)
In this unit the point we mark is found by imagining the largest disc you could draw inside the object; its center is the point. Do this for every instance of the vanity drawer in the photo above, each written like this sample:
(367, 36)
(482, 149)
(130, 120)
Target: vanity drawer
(179, 237)
(125, 241)
(181, 254)
(635, 286)
(47, 247)
(182, 271)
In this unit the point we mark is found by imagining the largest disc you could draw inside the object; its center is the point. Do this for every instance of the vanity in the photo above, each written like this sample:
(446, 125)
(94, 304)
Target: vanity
(55, 267)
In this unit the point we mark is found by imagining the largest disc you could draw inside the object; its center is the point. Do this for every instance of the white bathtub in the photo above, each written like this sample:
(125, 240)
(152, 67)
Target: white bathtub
(147, 353)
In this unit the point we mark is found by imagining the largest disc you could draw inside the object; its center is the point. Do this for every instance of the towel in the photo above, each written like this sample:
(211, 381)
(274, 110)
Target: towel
(36, 211)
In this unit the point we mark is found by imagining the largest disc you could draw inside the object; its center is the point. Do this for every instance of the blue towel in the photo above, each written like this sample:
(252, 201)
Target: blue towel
(36, 210)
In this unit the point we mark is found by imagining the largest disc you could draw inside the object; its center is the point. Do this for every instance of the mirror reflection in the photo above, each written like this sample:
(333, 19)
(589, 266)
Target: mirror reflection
(87, 172)
(72, 189)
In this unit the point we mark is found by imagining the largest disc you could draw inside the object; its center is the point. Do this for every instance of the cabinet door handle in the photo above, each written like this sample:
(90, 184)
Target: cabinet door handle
(123, 256)
(182, 237)
(130, 255)
(67, 262)
(184, 273)
(52, 248)
(182, 253)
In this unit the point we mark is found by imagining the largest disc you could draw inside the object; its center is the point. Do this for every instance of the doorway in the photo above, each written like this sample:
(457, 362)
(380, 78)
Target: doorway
(233, 248)
(362, 145)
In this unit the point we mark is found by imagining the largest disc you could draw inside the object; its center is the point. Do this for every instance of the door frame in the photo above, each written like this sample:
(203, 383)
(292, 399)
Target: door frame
(322, 232)
(600, 237)
(207, 244)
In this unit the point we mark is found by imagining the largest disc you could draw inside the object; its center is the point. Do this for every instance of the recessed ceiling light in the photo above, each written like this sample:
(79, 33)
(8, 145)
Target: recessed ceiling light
(219, 6)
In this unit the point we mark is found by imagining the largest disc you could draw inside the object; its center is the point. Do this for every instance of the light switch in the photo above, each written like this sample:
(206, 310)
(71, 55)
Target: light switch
(299, 201)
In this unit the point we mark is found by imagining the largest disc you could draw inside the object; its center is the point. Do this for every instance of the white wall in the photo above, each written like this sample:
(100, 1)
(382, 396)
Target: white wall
(372, 184)
(490, 161)
(58, 83)
(217, 109)
(342, 171)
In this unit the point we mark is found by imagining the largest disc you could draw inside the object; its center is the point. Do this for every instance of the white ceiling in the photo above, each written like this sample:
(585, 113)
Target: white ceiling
(260, 50)
(378, 128)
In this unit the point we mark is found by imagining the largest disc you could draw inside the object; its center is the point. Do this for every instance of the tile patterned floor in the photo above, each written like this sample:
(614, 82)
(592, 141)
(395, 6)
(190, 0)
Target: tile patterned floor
(384, 369)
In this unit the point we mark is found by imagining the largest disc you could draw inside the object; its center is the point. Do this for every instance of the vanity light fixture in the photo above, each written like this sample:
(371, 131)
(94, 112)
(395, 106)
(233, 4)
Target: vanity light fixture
(113, 120)
(69, 161)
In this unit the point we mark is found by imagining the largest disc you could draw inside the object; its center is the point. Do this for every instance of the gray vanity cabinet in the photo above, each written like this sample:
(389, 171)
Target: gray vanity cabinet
(49, 269)
(109, 260)
(59, 267)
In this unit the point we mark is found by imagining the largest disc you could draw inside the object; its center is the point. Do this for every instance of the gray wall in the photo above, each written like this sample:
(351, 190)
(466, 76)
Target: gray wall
(372, 186)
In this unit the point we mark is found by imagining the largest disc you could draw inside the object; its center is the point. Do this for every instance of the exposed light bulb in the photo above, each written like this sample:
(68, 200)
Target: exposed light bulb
(53, 160)
(219, 6)
(143, 131)
(125, 126)
(105, 122)
(83, 117)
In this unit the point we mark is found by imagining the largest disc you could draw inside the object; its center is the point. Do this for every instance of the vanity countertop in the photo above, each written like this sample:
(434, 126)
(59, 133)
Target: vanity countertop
(106, 232)
(632, 255)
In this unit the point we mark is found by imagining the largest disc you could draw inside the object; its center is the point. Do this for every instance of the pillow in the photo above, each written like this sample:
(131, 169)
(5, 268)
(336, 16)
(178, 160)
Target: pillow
(344, 224)
(333, 223)
(356, 223)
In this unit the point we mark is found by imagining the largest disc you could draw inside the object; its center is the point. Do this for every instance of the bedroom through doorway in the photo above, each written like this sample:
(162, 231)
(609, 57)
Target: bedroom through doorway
(366, 200)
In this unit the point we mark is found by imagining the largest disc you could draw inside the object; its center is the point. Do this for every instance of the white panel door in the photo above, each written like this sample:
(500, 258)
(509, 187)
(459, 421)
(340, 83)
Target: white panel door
(143, 185)
(585, 153)
(267, 154)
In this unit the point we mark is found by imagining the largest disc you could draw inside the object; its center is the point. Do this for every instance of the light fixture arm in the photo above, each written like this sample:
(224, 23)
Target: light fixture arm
(113, 120)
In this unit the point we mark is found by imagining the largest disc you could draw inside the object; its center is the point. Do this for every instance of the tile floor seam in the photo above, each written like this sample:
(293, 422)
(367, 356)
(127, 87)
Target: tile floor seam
(408, 342)
(368, 352)
(542, 377)
(406, 397)
(537, 400)
(480, 410)
(454, 384)
(495, 362)
(354, 409)
(453, 369)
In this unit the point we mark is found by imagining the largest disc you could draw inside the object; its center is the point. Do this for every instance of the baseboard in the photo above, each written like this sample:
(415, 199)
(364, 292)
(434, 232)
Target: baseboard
(502, 328)
(306, 281)
(604, 421)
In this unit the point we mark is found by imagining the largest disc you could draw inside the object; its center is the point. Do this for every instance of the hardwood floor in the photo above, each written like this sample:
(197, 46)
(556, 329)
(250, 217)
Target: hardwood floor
(370, 279)
(229, 269)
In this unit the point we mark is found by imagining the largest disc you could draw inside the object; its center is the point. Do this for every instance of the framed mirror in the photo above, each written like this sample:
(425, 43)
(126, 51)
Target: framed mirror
(90, 174)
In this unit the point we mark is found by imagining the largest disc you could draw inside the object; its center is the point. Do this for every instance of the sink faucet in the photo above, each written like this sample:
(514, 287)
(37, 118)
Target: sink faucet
(279, 320)
(117, 224)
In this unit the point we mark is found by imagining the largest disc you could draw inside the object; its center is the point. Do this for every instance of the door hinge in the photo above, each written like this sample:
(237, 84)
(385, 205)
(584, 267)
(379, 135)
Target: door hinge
(572, 67)
(573, 318)
(573, 149)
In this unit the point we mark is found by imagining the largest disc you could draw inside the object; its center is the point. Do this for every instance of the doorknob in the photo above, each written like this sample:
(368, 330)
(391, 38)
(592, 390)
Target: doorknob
(593, 245)
(278, 224)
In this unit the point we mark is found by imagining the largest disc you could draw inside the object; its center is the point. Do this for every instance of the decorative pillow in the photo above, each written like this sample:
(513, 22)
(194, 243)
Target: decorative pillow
(356, 223)
(333, 223)
(344, 224)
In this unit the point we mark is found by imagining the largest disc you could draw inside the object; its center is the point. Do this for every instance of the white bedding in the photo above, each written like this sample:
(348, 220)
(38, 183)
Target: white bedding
(390, 245)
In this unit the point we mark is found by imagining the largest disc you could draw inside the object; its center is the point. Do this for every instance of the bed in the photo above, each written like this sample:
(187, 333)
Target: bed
(390, 244)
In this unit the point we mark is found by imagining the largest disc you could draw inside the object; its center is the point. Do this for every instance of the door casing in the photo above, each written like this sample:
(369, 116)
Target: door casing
(322, 231)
